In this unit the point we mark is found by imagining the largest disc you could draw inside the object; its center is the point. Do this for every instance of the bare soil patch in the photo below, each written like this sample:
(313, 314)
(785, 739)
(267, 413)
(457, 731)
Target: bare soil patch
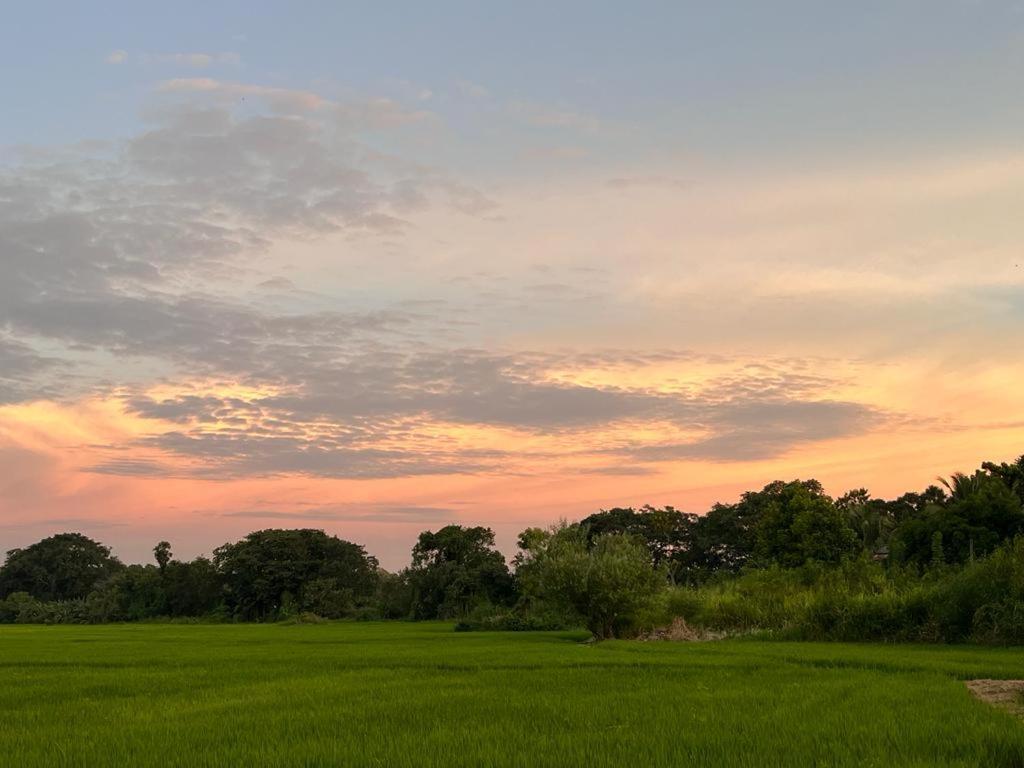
(1005, 694)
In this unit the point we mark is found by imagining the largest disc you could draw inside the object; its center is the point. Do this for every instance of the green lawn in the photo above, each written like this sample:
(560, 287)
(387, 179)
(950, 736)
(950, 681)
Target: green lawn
(420, 694)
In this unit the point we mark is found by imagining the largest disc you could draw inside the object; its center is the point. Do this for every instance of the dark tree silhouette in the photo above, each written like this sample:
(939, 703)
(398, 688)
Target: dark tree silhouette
(62, 567)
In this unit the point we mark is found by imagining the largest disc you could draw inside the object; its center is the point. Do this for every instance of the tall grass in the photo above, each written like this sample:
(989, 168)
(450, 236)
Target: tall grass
(982, 602)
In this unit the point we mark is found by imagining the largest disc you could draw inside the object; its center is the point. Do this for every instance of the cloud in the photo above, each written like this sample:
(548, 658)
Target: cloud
(616, 471)
(133, 468)
(77, 523)
(762, 429)
(350, 116)
(249, 453)
(21, 369)
(554, 117)
(630, 182)
(194, 60)
(377, 414)
(283, 100)
(129, 257)
(96, 249)
(375, 512)
(471, 90)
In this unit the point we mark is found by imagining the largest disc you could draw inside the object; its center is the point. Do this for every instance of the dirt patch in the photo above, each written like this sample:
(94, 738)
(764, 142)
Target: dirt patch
(680, 631)
(1005, 694)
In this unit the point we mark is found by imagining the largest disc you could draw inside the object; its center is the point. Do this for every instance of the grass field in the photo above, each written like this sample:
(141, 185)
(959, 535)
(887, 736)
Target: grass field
(420, 694)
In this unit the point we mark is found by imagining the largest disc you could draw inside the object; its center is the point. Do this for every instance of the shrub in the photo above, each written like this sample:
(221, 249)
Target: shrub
(607, 586)
(520, 619)
(980, 602)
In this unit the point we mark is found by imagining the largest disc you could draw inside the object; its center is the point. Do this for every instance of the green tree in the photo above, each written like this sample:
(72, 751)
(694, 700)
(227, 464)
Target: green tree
(394, 595)
(192, 588)
(980, 513)
(62, 567)
(961, 486)
(871, 519)
(722, 539)
(272, 571)
(605, 585)
(162, 553)
(133, 593)
(1011, 475)
(455, 570)
(666, 532)
(797, 523)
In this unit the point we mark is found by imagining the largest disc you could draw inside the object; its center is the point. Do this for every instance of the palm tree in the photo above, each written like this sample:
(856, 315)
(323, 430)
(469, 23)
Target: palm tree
(961, 486)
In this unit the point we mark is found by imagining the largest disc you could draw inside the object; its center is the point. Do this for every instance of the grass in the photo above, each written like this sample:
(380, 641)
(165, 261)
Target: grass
(419, 694)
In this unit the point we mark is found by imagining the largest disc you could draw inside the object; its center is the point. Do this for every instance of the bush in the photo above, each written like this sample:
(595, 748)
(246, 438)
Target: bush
(491, 619)
(980, 602)
(22, 608)
(608, 585)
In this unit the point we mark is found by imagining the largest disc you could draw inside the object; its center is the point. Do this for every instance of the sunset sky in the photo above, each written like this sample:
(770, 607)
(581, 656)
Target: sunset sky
(375, 268)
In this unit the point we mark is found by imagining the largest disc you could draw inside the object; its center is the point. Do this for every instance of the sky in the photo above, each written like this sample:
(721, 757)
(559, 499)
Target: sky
(377, 268)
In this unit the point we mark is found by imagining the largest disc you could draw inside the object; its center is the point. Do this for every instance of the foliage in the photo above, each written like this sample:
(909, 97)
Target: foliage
(980, 512)
(456, 569)
(519, 619)
(666, 532)
(1011, 475)
(980, 602)
(605, 582)
(162, 554)
(62, 567)
(796, 523)
(275, 573)
(394, 596)
(22, 608)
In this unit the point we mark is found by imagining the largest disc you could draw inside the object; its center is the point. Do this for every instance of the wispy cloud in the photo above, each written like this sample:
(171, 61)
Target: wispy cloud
(372, 512)
(554, 117)
(194, 60)
(280, 99)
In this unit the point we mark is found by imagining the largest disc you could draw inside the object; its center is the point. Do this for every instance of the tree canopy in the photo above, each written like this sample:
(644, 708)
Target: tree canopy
(456, 569)
(274, 571)
(62, 567)
(604, 581)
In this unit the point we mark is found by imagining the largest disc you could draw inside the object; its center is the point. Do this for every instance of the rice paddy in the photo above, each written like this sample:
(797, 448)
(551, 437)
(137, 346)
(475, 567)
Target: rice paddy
(399, 694)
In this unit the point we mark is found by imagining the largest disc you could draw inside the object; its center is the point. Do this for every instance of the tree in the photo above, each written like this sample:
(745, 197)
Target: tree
(666, 532)
(394, 595)
(62, 567)
(1011, 475)
(722, 539)
(191, 588)
(271, 572)
(145, 591)
(980, 512)
(784, 523)
(911, 505)
(133, 593)
(456, 569)
(961, 486)
(162, 553)
(871, 519)
(797, 523)
(604, 585)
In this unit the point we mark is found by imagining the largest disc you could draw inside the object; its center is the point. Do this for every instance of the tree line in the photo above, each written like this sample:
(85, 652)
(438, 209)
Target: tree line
(614, 572)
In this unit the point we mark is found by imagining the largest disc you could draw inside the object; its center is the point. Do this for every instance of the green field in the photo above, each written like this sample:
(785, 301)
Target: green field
(420, 694)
